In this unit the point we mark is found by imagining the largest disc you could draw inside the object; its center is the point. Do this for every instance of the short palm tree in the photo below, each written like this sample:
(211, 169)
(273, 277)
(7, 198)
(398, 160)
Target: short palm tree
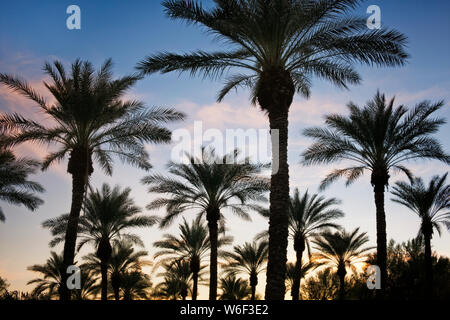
(234, 288)
(192, 245)
(89, 286)
(108, 213)
(177, 277)
(276, 47)
(308, 216)
(249, 259)
(341, 250)
(15, 187)
(135, 285)
(51, 278)
(377, 138)
(90, 121)
(123, 259)
(209, 184)
(293, 272)
(431, 203)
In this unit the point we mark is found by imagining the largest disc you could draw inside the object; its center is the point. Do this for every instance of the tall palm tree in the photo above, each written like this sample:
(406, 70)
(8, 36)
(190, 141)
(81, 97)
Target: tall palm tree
(431, 203)
(250, 259)
(108, 213)
(209, 184)
(293, 272)
(276, 47)
(341, 250)
(15, 187)
(234, 288)
(90, 121)
(51, 278)
(377, 138)
(192, 245)
(177, 277)
(123, 259)
(308, 216)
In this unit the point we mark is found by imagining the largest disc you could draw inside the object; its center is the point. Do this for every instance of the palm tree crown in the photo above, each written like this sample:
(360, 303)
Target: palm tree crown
(431, 203)
(300, 38)
(234, 288)
(250, 259)
(342, 250)
(15, 187)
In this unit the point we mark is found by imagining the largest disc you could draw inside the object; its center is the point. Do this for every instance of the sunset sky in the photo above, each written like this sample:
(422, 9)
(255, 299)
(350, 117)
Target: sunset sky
(33, 32)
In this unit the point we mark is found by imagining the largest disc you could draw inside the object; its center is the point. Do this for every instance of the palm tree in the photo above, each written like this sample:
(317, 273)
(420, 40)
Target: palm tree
(276, 48)
(15, 188)
(90, 121)
(193, 245)
(293, 272)
(51, 278)
(322, 286)
(4, 285)
(209, 184)
(123, 259)
(107, 214)
(341, 250)
(378, 138)
(135, 285)
(431, 204)
(249, 259)
(177, 278)
(89, 287)
(308, 216)
(234, 288)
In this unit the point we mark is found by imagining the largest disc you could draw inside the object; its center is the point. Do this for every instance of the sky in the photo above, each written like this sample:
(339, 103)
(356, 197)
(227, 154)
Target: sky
(33, 32)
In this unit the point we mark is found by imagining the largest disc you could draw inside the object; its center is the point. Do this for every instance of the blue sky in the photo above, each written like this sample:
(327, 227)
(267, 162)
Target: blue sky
(33, 32)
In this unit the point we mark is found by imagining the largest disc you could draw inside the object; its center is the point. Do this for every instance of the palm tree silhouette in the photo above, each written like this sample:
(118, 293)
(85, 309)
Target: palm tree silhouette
(209, 184)
(378, 138)
(192, 245)
(278, 46)
(293, 272)
(108, 213)
(123, 259)
(308, 216)
(431, 203)
(51, 278)
(234, 288)
(90, 122)
(135, 285)
(341, 250)
(15, 187)
(250, 259)
(177, 277)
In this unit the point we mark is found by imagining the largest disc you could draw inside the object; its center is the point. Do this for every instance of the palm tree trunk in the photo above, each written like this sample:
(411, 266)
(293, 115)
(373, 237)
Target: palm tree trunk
(295, 291)
(195, 285)
(212, 217)
(279, 206)
(381, 235)
(253, 283)
(341, 287)
(78, 189)
(116, 293)
(104, 272)
(428, 266)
